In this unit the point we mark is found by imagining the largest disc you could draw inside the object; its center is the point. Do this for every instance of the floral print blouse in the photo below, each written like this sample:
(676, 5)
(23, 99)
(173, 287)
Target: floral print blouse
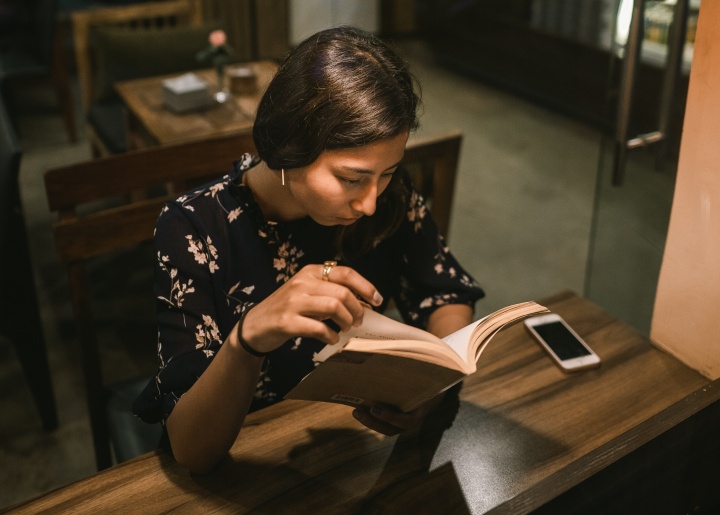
(217, 256)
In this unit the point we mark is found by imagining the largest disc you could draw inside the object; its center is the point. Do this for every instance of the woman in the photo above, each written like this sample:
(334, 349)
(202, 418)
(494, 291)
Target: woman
(257, 271)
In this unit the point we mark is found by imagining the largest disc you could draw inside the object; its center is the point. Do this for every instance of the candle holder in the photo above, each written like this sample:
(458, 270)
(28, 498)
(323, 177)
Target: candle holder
(221, 94)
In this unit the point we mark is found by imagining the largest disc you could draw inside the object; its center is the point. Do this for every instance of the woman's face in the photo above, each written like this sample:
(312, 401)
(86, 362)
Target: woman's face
(343, 185)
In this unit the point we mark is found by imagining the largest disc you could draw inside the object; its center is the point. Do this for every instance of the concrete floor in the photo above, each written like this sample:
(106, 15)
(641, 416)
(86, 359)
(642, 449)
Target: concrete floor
(520, 225)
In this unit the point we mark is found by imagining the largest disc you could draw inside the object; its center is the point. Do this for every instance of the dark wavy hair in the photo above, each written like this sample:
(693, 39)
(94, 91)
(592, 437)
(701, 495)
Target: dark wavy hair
(340, 88)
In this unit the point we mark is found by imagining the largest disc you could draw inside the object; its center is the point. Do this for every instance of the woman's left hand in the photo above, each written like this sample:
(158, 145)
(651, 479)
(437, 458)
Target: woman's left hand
(387, 419)
(390, 421)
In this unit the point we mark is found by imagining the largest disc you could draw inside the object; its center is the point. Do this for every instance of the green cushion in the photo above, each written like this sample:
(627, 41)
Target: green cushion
(121, 53)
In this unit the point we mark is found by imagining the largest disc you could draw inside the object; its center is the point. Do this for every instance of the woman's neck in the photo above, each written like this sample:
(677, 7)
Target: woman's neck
(275, 200)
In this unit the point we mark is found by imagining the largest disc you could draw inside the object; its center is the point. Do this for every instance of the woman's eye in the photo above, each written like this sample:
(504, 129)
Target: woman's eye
(349, 181)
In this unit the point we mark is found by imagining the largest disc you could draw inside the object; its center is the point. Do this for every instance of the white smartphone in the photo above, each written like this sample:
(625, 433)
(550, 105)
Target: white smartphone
(563, 344)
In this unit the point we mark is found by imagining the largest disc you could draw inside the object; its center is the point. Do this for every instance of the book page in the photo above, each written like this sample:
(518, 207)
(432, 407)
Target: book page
(466, 342)
(458, 341)
(377, 326)
(430, 352)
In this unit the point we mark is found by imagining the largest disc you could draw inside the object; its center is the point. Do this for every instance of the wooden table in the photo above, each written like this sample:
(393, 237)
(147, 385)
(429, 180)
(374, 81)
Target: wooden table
(522, 435)
(151, 123)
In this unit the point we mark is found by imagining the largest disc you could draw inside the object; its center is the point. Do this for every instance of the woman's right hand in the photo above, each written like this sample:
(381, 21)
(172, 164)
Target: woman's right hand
(299, 307)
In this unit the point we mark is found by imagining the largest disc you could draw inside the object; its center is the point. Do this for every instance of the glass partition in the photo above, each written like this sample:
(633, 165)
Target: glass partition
(652, 52)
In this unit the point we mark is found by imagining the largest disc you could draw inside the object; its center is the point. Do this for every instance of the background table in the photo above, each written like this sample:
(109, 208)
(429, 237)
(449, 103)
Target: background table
(151, 123)
(522, 435)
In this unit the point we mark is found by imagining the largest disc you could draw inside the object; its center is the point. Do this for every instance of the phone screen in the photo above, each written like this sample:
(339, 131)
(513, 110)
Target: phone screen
(561, 341)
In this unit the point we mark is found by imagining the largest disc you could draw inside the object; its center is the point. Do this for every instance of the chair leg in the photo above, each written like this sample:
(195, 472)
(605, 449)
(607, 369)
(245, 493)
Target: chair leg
(100, 429)
(28, 338)
(33, 359)
(29, 344)
(91, 364)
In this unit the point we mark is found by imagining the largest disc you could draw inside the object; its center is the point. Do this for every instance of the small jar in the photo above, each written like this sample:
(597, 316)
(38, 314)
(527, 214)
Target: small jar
(243, 80)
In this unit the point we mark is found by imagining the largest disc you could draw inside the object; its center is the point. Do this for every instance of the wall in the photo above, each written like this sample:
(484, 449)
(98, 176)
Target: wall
(256, 29)
(310, 16)
(686, 318)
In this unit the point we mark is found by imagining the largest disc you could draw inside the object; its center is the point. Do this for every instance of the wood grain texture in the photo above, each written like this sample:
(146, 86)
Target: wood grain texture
(521, 433)
(151, 123)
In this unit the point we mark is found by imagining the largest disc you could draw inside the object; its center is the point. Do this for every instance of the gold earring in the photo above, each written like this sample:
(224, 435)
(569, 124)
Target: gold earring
(282, 175)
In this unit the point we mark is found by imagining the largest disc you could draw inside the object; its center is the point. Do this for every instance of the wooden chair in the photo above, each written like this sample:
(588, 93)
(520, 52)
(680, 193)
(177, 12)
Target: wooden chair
(125, 42)
(432, 163)
(98, 215)
(18, 300)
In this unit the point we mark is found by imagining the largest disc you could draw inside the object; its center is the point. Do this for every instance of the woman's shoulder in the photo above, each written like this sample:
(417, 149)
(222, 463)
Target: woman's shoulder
(217, 193)
(224, 199)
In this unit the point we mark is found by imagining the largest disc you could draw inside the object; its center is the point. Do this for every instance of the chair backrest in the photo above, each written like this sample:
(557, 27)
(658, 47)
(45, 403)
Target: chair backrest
(128, 218)
(142, 16)
(112, 203)
(432, 163)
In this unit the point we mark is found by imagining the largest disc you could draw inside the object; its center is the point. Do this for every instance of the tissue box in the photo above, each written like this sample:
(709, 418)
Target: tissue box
(186, 93)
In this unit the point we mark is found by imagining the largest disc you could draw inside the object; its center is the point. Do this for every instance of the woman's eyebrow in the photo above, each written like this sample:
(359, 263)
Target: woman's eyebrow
(368, 172)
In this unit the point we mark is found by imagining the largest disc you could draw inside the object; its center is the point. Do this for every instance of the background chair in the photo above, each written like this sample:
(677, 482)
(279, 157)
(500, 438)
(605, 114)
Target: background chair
(127, 42)
(29, 49)
(432, 163)
(20, 320)
(99, 216)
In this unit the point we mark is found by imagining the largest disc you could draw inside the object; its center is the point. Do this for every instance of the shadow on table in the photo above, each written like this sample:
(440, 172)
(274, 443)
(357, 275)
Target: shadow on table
(460, 459)
(323, 475)
(467, 459)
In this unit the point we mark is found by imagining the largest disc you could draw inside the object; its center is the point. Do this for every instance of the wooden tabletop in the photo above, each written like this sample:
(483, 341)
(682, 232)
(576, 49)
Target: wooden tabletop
(150, 122)
(520, 433)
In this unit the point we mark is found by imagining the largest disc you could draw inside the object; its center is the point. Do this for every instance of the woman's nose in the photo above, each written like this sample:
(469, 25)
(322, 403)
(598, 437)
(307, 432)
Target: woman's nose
(366, 202)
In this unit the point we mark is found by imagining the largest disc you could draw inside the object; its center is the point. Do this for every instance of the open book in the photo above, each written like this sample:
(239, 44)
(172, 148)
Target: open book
(386, 361)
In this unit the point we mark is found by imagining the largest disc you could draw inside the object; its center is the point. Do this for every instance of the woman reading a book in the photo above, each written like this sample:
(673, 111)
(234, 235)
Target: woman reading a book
(259, 270)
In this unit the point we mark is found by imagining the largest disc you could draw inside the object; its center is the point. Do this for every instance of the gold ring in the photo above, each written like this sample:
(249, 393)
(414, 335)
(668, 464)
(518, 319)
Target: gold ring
(327, 266)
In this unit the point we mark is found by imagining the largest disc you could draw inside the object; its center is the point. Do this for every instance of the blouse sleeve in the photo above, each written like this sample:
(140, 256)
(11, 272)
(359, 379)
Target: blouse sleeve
(188, 333)
(430, 276)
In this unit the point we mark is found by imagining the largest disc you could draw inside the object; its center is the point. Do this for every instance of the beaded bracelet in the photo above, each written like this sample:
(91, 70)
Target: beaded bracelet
(242, 341)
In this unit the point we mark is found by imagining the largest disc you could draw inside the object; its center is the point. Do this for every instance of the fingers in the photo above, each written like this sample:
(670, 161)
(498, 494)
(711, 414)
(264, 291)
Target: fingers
(299, 307)
(266, 328)
(376, 424)
(316, 311)
(332, 292)
(352, 280)
(393, 417)
(386, 420)
(315, 328)
(389, 421)
(335, 299)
